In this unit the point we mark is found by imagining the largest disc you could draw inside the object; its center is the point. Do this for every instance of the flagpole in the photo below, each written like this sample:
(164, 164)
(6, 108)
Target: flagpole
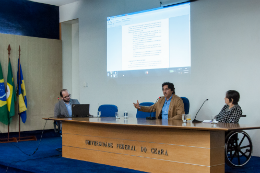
(9, 52)
(18, 90)
(13, 139)
(24, 138)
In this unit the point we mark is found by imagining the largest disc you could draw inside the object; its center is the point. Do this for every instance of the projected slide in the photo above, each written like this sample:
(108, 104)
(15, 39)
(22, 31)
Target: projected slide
(155, 41)
(143, 45)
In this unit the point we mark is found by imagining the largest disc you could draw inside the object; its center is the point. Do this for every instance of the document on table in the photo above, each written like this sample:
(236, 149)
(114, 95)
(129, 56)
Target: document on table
(209, 121)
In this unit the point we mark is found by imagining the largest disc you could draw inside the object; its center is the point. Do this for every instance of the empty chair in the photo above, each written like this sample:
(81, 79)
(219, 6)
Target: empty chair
(108, 110)
(186, 105)
(141, 114)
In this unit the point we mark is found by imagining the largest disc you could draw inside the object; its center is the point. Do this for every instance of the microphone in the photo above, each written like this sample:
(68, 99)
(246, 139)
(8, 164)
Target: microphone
(152, 118)
(158, 99)
(197, 121)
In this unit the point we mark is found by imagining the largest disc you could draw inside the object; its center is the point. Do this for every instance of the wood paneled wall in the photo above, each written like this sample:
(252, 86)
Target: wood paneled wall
(41, 61)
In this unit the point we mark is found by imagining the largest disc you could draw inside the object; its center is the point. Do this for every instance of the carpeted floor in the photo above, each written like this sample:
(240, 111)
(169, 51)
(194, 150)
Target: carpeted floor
(46, 159)
(13, 159)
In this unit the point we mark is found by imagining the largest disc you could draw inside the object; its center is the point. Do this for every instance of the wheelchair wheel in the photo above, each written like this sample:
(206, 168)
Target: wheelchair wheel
(238, 148)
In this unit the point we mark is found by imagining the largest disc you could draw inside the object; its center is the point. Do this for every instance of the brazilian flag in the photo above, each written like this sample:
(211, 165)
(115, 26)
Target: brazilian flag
(22, 94)
(10, 93)
(3, 103)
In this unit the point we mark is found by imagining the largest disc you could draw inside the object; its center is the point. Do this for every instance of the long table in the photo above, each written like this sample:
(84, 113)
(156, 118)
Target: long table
(148, 145)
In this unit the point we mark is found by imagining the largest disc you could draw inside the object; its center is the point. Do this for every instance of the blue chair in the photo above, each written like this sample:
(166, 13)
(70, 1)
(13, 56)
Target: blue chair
(186, 105)
(141, 114)
(108, 110)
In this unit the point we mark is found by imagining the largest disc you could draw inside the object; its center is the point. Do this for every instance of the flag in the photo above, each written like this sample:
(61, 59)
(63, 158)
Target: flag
(22, 95)
(3, 103)
(10, 92)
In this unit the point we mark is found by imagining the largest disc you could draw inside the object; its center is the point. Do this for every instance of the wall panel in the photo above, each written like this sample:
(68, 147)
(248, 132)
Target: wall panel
(42, 70)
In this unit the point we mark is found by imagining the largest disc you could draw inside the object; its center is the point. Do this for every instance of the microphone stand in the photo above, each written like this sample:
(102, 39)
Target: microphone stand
(197, 121)
(152, 118)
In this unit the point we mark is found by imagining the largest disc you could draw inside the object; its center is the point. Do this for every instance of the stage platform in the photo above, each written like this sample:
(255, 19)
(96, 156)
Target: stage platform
(47, 159)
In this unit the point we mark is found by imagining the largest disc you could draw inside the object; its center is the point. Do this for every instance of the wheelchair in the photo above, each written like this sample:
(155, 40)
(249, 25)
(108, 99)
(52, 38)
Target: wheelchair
(238, 148)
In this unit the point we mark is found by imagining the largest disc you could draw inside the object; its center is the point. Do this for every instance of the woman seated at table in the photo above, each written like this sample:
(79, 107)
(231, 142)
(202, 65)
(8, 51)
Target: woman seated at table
(231, 112)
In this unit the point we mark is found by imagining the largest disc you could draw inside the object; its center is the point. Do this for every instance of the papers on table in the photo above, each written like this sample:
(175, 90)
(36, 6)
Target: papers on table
(209, 121)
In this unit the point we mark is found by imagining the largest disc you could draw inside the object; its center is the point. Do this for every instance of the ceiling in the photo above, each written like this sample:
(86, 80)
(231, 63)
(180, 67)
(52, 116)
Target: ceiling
(55, 2)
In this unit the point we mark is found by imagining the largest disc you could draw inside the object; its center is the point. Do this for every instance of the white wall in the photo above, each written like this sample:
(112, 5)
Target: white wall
(70, 52)
(66, 55)
(225, 49)
(75, 60)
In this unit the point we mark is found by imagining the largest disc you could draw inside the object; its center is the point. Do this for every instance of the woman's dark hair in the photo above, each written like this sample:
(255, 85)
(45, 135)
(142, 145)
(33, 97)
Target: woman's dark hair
(62, 91)
(170, 85)
(232, 94)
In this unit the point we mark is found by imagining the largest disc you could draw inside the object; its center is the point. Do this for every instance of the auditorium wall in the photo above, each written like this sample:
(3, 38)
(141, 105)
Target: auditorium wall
(225, 39)
(27, 18)
(42, 71)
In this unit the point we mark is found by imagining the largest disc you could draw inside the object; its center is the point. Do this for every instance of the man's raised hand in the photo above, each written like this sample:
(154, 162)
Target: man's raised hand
(136, 105)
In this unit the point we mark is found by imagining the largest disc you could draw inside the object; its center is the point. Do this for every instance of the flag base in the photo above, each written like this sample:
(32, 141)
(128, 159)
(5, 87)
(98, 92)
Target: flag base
(27, 138)
(7, 140)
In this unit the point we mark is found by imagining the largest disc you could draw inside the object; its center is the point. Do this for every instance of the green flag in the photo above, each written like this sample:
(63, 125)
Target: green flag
(10, 93)
(3, 103)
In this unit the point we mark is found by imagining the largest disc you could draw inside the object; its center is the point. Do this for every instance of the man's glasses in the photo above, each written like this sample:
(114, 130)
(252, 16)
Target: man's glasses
(67, 96)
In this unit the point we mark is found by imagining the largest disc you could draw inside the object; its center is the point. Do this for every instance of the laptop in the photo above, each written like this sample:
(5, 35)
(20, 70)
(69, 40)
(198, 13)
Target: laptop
(80, 110)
